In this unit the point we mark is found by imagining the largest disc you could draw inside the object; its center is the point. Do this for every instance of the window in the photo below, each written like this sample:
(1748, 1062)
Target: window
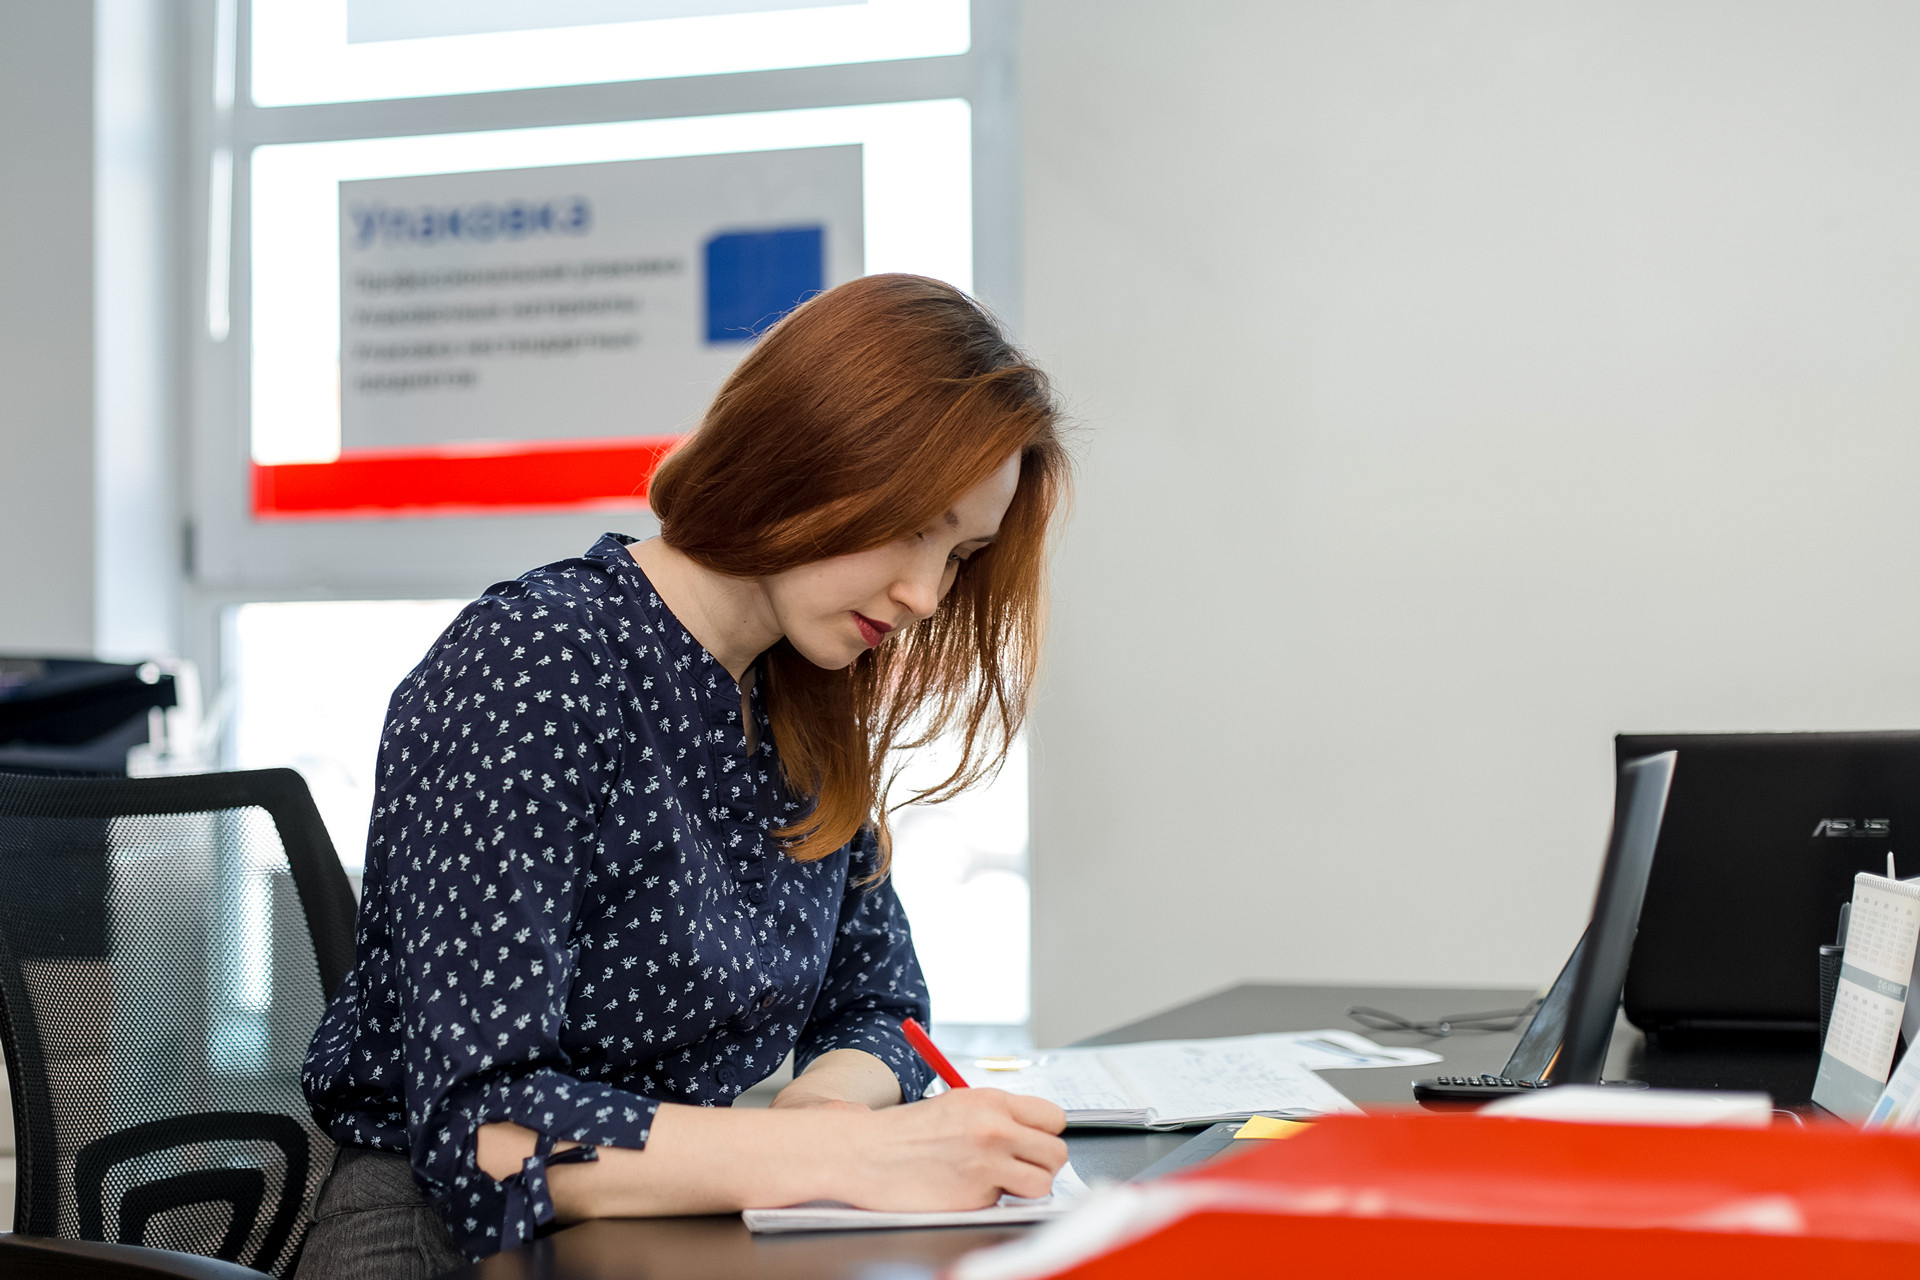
(311, 679)
(961, 871)
(311, 51)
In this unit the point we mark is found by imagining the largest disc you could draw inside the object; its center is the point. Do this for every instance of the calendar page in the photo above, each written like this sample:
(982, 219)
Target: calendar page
(1872, 996)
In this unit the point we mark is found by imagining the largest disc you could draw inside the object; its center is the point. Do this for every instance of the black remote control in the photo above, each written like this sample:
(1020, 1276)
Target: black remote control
(1482, 1088)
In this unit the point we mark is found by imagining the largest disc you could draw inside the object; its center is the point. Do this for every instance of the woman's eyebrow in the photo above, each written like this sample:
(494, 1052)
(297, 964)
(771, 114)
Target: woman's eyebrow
(952, 518)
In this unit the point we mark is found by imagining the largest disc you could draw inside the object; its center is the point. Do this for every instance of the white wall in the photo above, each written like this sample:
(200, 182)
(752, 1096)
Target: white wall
(46, 326)
(1463, 382)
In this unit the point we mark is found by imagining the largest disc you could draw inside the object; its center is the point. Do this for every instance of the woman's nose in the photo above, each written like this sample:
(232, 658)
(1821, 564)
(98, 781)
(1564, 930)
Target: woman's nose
(918, 593)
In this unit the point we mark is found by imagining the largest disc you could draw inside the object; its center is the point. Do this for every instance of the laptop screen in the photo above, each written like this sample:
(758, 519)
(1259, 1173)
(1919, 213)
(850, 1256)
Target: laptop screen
(1566, 1043)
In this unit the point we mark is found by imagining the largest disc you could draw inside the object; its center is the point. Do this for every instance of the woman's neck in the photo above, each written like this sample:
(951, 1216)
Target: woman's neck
(730, 617)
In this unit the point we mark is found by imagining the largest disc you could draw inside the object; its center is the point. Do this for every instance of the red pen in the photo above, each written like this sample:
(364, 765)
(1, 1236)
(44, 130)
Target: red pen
(930, 1053)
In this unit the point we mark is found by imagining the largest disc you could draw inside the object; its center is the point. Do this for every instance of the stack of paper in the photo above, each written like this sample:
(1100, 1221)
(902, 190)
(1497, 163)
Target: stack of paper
(1170, 1084)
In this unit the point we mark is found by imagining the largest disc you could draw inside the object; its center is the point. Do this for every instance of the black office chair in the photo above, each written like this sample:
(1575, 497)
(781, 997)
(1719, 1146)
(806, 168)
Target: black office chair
(166, 949)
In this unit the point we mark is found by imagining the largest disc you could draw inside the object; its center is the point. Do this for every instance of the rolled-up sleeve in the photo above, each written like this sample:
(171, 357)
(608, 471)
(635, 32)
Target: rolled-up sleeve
(873, 979)
(490, 843)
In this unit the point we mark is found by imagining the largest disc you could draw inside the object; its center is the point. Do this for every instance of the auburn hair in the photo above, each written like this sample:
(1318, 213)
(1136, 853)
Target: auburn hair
(856, 420)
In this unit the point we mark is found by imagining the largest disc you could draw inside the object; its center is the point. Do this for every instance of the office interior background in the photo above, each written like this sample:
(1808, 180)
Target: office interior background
(1457, 384)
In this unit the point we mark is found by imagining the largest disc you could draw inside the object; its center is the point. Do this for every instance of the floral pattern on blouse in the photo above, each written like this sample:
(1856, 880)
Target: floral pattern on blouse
(575, 907)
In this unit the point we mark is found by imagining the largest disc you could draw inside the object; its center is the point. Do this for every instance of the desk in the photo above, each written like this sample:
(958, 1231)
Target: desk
(720, 1248)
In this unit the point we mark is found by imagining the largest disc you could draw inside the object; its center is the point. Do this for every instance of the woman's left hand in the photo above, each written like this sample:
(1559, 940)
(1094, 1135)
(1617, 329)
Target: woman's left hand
(841, 1080)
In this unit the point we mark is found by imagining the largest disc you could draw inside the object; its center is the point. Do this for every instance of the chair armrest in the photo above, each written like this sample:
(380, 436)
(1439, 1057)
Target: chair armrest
(45, 1258)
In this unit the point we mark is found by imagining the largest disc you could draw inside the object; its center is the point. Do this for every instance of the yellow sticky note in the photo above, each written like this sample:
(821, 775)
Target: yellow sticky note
(1268, 1127)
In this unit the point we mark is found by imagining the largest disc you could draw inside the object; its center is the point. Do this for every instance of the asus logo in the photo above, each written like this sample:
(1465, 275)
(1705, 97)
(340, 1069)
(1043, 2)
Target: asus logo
(1872, 828)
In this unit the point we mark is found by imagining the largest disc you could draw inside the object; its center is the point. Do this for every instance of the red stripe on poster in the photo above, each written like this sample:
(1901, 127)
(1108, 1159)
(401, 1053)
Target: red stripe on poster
(480, 479)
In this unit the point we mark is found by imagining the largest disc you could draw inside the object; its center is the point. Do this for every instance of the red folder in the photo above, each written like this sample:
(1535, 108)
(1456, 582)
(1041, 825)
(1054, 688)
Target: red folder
(1430, 1197)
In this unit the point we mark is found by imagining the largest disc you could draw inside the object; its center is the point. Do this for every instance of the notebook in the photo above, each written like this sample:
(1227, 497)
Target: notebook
(830, 1215)
(1172, 1084)
(1870, 1003)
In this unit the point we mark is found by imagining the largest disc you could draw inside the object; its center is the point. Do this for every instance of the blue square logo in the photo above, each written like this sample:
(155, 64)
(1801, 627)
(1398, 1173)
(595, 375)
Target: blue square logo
(755, 277)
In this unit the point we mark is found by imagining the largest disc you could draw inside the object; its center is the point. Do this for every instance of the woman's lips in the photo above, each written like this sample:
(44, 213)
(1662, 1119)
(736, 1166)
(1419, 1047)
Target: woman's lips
(870, 631)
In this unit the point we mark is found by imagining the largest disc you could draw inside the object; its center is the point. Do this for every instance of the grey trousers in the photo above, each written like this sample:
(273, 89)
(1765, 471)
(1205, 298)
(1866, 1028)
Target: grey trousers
(372, 1223)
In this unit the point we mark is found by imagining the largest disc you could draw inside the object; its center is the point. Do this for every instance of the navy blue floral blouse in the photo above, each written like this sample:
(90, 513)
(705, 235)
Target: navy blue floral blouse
(575, 908)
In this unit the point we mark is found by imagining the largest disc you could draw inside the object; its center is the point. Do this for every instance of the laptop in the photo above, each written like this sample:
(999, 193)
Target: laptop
(1763, 835)
(1566, 1043)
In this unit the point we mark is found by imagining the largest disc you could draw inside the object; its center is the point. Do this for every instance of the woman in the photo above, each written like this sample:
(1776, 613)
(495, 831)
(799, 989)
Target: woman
(629, 850)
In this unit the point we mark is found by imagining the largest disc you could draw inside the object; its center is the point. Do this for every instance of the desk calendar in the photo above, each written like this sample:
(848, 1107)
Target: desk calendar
(1871, 999)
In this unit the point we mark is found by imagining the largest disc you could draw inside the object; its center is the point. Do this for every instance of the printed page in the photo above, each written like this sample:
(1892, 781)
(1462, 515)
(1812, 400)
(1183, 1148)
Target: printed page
(1078, 1074)
(1197, 1079)
(1896, 1108)
(1074, 1079)
(1166, 1081)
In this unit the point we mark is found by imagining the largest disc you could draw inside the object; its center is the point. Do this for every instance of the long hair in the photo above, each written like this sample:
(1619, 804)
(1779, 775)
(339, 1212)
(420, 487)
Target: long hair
(857, 420)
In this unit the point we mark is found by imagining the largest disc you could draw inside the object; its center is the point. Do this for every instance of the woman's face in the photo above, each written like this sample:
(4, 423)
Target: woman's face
(833, 611)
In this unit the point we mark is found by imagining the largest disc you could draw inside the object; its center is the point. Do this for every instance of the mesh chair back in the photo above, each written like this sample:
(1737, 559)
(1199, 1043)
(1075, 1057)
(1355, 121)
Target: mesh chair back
(166, 949)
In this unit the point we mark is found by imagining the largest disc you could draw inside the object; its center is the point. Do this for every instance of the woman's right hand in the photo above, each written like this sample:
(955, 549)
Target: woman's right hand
(959, 1150)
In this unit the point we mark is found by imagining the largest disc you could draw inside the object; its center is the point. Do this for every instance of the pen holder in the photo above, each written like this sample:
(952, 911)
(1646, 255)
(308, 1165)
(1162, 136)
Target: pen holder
(1830, 955)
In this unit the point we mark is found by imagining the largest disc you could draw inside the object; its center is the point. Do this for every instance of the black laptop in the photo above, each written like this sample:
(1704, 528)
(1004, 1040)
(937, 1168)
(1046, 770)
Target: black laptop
(1762, 837)
(1566, 1043)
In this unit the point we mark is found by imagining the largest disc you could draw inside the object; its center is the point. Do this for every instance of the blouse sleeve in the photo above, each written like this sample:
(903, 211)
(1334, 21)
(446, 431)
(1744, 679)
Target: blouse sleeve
(489, 840)
(873, 979)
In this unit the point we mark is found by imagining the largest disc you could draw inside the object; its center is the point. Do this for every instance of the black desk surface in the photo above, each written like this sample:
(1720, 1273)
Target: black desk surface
(716, 1247)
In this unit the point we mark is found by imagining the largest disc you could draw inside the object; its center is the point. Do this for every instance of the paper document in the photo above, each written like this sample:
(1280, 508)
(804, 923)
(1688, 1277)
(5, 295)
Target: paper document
(830, 1215)
(1605, 1104)
(1346, 1050)
(1898, 1106)
(1170, 1084)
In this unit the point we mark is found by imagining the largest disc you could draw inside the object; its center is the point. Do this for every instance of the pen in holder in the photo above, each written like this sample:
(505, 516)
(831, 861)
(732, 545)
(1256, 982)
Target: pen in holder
(1831, 955)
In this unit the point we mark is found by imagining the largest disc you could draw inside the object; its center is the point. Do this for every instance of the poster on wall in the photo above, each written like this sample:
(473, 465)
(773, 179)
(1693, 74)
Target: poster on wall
(533, 339)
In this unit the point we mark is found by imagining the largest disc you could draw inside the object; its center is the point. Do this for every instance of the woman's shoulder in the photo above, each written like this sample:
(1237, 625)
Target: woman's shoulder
(578, 586)
(560, 621)
(594, 598)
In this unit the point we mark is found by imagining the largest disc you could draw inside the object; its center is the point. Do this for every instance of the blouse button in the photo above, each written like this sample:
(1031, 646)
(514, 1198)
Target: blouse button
(771, 1000)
